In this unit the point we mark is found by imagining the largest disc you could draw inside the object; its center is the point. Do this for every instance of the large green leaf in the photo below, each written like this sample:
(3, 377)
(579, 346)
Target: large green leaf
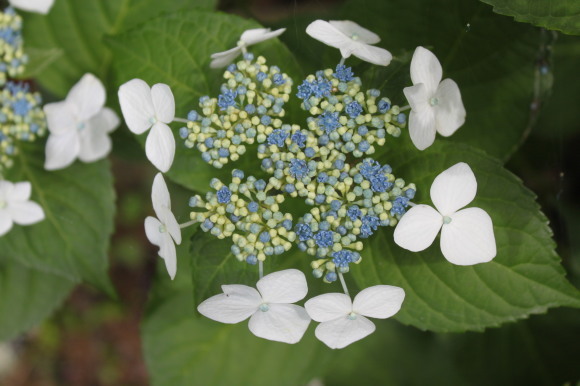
(176, 50)
(79, 204)
(28, 296)
(561, 15)
(490, 57)
(525, 278)
(78, 28)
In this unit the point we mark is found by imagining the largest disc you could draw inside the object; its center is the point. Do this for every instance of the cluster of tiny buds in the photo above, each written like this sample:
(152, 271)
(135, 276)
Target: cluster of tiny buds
(248, 109)
(346, 118)
(21, 119)
(12, 57)
(249, 212)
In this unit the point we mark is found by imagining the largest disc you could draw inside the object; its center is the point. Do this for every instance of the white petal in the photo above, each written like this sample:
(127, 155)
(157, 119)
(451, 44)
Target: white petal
(287, 286)
(231, 307)
(371, 54)
(281, 323)
(422, 128)
(257, 35)
(160, 146)
(94, 144)
(20, 191)
(418, 228)
(105, 120)
(87, 97)
(468, 239)
(25, 213)
(426, 69)
(417, 96)
(167, 218)
(152, 227)
(137, 105)
(168, 253)
(379, 301)
(343, 331)
(6, 188)
(61, 150)
(243, 291)
(163, 102)
(160, 194)
(449, 112)
(222, 59)
(350, 29)
(453, 189)
(60, 117)
(38, 6)
(327, 307)
(5, 222)
(328, 34)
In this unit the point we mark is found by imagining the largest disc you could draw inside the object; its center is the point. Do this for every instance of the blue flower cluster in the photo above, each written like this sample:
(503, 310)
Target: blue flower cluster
(12, 57)
(346, 118)
(21, 119)
(249, 212)
(248, 109)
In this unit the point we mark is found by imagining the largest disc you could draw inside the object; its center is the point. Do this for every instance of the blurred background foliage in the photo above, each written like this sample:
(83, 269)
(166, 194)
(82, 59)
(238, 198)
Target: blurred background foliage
(522, 93)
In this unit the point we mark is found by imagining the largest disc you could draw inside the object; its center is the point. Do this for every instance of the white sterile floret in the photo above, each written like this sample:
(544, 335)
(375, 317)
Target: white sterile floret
(15, 206)
(38, 6)
(270, 309)
(351, 39)
(343, 321)
(436, 105)
(163, 231)
(248, 38)
(466, 235)
(80, 125)
(152, 108)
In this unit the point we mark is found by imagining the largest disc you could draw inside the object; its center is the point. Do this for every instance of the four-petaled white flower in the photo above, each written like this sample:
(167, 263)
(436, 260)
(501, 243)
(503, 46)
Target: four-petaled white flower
(436, 105)
(466, 235)
(80, 125)
(272, 316)
(351, 39)
(38, 6)
(163, 231)
(15, 206)
(248, 38)
(344, 321)
(152, 108)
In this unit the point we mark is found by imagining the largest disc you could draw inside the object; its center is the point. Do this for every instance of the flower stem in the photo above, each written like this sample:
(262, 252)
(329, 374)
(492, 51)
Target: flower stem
(411, 204)
(182, 120)
(404, 108)
(186, 224)
(260, 268)
(343, 284)
(342, 60)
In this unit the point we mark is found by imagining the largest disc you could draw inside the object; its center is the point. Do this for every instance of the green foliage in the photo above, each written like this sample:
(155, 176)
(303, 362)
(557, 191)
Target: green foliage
(78, 27)
(28, 296)
(176, 50)
(561, 15)
(78, 203)
(525, 278)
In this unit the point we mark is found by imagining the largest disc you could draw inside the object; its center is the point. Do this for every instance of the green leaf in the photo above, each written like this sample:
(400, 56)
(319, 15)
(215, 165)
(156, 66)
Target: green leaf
(39, 59)
(539, 351)
(561, 15)
(525, 277)
(182, 349)
(495, 73)
(78, 28)
(176, 50)
(79, 204)
(28, 296)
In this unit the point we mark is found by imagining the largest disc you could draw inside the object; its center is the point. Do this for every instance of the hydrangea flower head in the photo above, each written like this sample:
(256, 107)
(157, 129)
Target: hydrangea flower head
(16, 207)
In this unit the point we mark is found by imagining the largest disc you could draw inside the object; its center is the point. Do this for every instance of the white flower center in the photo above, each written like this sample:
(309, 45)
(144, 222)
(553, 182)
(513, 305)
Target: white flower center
(354, 36)
(351, 316)
(162, 228)
(153, 120)
(264, 307)
(3, 204)
(434, 101)
(446, 219)
(81, 125)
